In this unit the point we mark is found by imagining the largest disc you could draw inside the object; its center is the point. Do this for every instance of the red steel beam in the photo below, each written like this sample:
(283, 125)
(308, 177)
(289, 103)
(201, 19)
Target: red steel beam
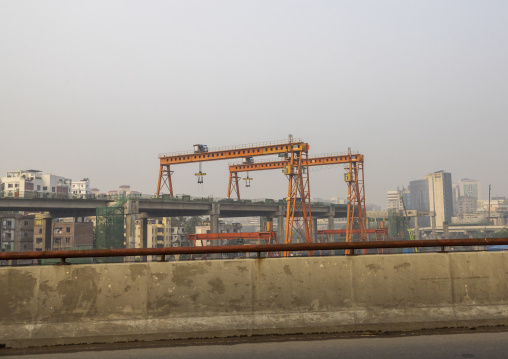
(126, 252)
(354, 231)
(243, 235)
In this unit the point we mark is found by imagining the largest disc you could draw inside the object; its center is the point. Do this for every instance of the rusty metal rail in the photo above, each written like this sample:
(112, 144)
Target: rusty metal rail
(260, 248)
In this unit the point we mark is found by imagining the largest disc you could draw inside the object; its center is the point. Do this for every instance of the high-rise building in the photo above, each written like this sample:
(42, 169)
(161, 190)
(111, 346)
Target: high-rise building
(440, 196)
(398, 199)
(419, 194)
(470, 188)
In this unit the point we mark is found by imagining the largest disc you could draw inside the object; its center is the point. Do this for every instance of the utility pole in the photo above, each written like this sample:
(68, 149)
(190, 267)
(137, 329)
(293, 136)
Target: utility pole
(488, 219)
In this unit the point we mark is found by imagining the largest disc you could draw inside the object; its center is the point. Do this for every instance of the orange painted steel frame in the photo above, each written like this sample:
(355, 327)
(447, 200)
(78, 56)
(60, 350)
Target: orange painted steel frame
(356, 216)
(249, 151)
(319, 160)
(298, 215)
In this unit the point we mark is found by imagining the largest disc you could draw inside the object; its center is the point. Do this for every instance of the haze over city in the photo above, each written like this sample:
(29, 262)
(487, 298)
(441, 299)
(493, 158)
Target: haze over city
(99, 89)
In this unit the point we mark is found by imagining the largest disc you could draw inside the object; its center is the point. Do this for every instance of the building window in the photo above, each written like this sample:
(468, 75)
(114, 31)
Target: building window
(38, 240)
(26, 223)
(44, 188)
(40, 230)
(38, 249)
(68, 229)
(67, 239)
(38, 187)
(57, 240)
(9, 185)
(25, 235)
(52, 189)
(25, 247)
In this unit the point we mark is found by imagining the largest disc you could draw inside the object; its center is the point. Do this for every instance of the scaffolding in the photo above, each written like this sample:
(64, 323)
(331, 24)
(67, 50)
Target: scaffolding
(109, 229)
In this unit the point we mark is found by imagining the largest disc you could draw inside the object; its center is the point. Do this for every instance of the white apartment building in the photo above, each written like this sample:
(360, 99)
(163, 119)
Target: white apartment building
(395, 199)
(81, 187)
(30, 182)
(33, 183)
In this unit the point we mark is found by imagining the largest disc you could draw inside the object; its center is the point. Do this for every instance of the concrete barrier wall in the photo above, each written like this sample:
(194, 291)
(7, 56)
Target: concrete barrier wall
(150, 301)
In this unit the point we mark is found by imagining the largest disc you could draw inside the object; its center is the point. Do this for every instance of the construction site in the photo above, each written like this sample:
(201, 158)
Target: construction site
(292, 158)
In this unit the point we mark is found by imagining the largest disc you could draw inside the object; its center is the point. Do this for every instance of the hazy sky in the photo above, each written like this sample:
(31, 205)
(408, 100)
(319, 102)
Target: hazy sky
(99, 88)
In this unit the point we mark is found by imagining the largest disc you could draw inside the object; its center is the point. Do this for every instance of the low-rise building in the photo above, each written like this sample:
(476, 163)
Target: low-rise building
(64, 235)
(16, 235)
(81, 188)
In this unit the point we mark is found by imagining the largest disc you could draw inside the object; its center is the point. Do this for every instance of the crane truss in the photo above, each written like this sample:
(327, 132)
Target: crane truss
(354, 177)
(356, 215)
(264, 149)
(298, 214)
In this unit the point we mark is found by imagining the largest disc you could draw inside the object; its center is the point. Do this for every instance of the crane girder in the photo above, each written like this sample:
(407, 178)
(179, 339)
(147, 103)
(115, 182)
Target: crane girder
(270, 148)
(320, 160)
(253, 150)
(298, 214)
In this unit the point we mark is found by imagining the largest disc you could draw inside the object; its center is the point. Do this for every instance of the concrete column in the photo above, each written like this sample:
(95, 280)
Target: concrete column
(131, 212)
(417, 227)
(446, 230)
(130, 230)
(143, 232)
(433, 224)
(331, 223)
(280, 225)
(314, 230)
(214, 218)
(47, 231)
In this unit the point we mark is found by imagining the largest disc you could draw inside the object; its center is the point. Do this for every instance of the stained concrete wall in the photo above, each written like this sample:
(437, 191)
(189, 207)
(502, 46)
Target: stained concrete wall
(150, 301)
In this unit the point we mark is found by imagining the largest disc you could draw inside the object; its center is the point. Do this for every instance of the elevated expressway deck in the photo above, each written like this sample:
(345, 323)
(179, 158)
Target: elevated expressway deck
(161, 208)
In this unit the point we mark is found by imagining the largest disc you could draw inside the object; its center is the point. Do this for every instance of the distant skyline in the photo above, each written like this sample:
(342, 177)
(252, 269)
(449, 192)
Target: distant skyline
(98, 89)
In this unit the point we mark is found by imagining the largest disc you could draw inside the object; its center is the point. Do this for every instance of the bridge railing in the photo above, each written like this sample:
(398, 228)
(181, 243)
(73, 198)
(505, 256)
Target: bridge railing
(316, 248)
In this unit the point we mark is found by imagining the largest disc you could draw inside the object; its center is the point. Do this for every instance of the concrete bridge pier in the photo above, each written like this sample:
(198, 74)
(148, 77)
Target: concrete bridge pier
(46, 222)
(331, 217)
(433, 224)
(214, 224)
(131, 212)
(280, 225)
(143, 232)
(314, 229)
(214, 218)
(417, 229)
(446, 230)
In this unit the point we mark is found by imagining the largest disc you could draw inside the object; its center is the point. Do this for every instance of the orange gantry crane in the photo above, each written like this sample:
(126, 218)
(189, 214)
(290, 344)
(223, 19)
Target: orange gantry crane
(295, 153)
(356, 216)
